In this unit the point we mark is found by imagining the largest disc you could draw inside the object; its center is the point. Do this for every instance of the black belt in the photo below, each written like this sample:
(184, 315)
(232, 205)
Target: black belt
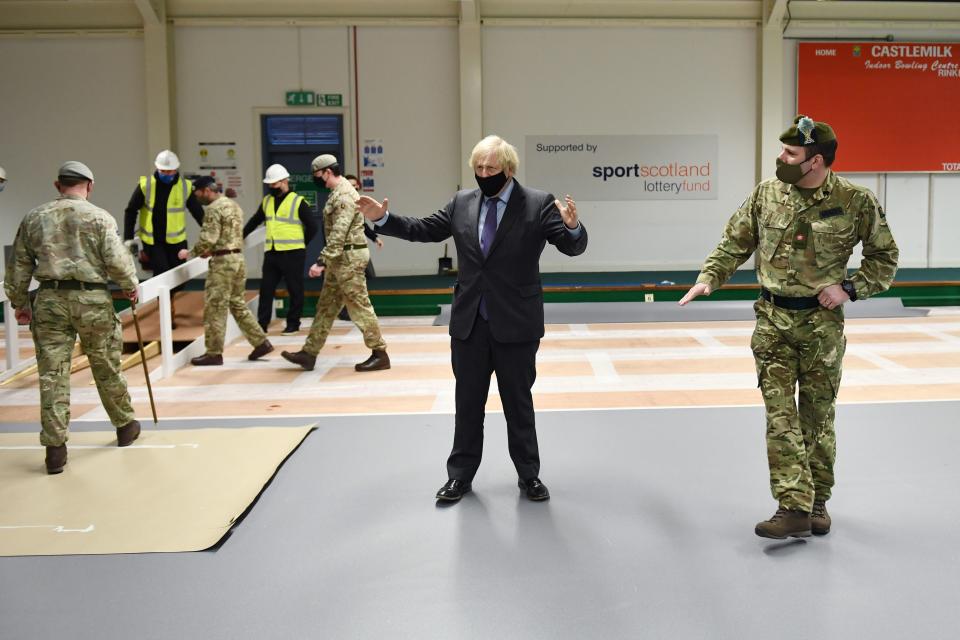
(794, 304)
(224, 252)
(76, 285)
(347, 247)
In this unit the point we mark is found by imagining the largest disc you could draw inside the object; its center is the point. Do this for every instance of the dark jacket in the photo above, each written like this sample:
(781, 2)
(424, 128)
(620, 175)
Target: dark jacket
(509, 277)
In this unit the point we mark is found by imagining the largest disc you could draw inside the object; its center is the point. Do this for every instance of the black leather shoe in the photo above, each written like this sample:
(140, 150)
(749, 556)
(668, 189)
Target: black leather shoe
(56, 459)
(534, 489)
(301, 358)
(260, 350)
(378, 361)
(453, 490)
(207, 360)
(128, 433)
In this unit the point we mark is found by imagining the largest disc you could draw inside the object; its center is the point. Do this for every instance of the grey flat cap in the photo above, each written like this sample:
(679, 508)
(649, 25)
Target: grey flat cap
(324, 161)
(74, 169)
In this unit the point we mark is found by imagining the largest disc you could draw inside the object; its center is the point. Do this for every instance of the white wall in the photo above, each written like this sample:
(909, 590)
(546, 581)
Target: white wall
(69, 99)
(225, 75)
(549, 80)
(631, 81)
(409, 97)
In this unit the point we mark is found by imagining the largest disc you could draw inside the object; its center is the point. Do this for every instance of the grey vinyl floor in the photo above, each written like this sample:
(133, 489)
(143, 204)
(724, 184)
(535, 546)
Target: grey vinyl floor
(649, 534)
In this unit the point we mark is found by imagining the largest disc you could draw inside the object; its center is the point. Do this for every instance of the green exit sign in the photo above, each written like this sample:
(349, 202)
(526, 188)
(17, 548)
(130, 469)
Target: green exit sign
(330, 99)
(301, 98)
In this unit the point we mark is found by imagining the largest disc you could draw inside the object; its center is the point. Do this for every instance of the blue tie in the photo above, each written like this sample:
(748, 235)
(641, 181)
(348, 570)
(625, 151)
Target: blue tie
(489, 226)
(486, 241)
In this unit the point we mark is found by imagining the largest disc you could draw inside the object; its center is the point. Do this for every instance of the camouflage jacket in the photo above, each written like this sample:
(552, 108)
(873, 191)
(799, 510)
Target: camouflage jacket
(342, 222)
(802, 245)
(222, 227)
(67, 239)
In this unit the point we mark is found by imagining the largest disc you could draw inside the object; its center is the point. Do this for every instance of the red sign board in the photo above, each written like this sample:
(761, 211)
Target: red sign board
(893, 105)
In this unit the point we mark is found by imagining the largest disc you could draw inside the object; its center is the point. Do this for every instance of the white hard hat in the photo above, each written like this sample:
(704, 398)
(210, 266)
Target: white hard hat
(3, 174)
(167, 160)
(275, 173)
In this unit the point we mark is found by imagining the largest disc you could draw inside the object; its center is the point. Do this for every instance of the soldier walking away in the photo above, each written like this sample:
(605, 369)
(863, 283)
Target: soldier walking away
(72, 248)
(803, 225)
(221, 238)
(157, 211)
(342, 262)
(290, 227)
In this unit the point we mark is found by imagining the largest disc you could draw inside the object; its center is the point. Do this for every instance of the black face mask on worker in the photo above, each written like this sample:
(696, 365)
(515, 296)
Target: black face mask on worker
(492, 185)
(276, 192)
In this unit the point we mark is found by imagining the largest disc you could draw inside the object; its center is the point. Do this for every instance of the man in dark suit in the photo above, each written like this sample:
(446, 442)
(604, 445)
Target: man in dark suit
(496, 320)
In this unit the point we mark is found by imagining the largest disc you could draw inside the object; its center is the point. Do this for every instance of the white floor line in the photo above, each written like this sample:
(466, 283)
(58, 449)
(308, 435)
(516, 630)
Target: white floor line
(56, 528)
(884, 363)
(603, 369)
(706, 338)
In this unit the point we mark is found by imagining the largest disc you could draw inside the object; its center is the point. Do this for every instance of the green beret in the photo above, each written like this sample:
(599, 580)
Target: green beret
(806, 131)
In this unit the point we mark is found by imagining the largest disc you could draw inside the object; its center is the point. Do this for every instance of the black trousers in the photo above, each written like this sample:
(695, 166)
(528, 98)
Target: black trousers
(474, 360)
(162, 257)
(288, 266)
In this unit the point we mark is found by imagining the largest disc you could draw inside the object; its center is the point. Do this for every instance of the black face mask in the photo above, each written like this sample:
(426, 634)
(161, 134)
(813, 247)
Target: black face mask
(492, 185)
(276, 192)
(320, 182)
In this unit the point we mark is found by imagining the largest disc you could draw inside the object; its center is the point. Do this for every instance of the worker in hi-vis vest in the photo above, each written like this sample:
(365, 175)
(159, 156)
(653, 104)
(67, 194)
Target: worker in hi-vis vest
(290, 227)
(156, 214)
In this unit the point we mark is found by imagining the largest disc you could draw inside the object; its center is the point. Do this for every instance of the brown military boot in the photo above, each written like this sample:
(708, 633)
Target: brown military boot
(301, 358)
(377, 361)
(128, 433)
(260, 350)
(819, 518)
(207, 360)
(785, 523)
(56, 458)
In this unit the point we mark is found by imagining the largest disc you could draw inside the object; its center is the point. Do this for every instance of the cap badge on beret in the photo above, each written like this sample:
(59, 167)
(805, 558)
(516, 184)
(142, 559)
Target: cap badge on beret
(805, 126)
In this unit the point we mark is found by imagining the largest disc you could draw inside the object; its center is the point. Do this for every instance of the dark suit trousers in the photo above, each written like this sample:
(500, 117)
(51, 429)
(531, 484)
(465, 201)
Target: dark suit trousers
(474, 360)
(287, 265)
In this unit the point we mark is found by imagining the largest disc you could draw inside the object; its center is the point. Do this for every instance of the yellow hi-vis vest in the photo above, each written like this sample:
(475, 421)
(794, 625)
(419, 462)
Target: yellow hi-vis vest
(176, 209)
(284, 228)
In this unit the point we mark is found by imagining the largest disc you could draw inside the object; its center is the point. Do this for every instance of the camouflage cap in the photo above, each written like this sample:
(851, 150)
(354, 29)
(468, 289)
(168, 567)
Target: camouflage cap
(74, 169)
(324, 161)
(806, 131)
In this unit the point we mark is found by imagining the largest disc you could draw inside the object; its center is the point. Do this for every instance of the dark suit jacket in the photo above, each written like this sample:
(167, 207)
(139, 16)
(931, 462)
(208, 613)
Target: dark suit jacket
(509, 277)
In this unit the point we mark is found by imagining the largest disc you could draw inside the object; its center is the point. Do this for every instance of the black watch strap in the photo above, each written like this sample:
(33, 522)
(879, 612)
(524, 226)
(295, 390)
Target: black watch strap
(849, 289)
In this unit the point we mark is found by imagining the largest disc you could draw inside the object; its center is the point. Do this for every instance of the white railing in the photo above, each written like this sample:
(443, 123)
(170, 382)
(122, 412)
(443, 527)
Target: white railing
(11, 332)
(155, 288)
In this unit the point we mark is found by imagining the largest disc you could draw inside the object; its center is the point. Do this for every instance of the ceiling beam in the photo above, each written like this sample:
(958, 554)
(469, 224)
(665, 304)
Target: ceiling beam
(154, 12)
(773, 12)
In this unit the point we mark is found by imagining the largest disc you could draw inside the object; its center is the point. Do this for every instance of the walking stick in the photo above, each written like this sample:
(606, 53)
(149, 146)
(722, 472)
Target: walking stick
(143, 359)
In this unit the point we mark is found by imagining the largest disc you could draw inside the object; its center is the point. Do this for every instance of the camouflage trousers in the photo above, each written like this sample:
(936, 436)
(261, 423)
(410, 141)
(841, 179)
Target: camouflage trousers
(345, 284)
(58, 317)
(222, 293)
(799, 355)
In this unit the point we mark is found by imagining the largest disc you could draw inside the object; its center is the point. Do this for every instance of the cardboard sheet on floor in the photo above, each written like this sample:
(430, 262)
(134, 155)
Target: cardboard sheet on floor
(170, 491)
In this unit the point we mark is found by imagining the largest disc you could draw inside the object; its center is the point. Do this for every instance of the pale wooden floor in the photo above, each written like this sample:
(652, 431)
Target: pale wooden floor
(590, 366)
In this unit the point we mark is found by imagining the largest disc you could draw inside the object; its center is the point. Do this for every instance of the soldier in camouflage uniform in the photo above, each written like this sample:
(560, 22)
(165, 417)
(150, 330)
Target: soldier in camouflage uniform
(803, 227)
(221, 238)
(73, 248)
(342, 261)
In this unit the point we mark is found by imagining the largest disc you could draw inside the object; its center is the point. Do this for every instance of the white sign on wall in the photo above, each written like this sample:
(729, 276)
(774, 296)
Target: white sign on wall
(627, 167)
